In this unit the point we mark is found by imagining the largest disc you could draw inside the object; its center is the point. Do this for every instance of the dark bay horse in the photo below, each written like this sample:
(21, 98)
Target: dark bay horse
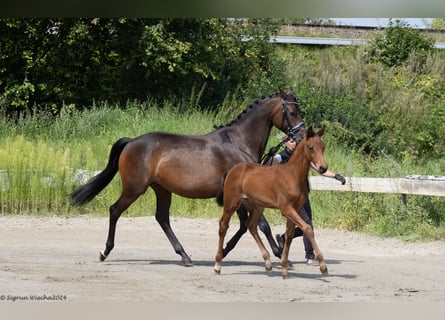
(189, 166)
(283, 187)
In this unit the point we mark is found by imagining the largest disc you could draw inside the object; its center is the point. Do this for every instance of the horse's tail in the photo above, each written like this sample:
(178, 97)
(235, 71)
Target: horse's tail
(220, 196)
(88, 191)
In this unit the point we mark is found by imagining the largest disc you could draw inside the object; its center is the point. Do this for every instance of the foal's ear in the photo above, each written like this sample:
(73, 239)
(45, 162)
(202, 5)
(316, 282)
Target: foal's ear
(309, 133)
(321, 131)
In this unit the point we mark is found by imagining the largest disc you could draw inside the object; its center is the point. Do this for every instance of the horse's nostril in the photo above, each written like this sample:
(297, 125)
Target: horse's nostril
(322, 169)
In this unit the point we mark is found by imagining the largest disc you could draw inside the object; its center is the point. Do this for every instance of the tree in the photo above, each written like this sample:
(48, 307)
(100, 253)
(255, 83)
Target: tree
(45, 63)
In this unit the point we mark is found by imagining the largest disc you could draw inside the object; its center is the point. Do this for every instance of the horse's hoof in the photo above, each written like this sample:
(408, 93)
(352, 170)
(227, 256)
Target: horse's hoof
(217, 271)
(268, 267)
(102, 256)
(187, 262)
(285, 276)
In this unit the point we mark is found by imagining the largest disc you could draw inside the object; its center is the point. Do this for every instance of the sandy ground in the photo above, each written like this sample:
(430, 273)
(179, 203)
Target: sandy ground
(55, 258)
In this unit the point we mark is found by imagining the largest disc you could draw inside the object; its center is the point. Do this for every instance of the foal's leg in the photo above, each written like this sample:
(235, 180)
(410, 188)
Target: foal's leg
(265, 228)
(309, 233)
(163, 202)
(289, 235)
(223, 226)
(252, 225)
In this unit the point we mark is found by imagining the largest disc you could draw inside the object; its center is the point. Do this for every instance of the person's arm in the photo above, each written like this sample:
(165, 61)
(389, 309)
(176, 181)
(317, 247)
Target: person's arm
(328, 173)
(335, 176)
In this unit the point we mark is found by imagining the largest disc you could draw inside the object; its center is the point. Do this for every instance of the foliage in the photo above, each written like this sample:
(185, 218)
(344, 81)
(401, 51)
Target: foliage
(398, 42)
(438, 23)
(51, 62)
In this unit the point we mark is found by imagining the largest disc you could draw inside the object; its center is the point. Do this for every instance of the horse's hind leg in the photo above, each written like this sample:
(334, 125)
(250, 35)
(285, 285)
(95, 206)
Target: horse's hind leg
(242, 215)
(116, 210)
(163, 202)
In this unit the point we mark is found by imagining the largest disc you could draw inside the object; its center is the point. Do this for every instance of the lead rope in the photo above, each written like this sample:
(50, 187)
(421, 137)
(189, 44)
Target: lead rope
(290, 135)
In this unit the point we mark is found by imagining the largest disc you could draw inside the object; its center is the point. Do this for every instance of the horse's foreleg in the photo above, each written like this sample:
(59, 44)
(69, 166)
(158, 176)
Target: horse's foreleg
(265, 228)
(242, 215)
(252, 225)
(163, 202)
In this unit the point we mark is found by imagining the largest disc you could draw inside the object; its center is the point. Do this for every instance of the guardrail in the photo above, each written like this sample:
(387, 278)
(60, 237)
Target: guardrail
(329, 41)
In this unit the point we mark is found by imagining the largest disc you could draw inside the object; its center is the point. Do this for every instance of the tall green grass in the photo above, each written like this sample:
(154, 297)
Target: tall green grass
(40, 156)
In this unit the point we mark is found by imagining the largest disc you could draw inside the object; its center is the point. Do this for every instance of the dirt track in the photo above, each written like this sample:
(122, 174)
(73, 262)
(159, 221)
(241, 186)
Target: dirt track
(57, 258)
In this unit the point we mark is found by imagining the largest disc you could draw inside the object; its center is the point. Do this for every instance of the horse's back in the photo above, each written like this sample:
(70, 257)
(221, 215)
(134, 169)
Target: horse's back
(190, 166)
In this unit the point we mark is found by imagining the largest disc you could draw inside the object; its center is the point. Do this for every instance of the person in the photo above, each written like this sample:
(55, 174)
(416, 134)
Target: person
(306, 212)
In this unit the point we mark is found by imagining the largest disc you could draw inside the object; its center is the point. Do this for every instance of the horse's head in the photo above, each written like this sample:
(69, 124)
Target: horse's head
(314, 150)
(286, 113)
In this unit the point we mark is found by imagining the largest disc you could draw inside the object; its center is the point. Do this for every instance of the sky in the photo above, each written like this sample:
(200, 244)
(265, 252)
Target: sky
(380, 22)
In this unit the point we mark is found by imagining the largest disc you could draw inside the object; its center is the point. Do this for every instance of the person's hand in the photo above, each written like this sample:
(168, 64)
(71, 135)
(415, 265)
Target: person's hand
(340, 178)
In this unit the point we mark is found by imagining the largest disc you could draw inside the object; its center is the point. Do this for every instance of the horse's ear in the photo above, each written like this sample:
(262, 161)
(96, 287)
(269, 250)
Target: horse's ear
(321, 131)
(289, 92)
(309, 133)
(282, 94)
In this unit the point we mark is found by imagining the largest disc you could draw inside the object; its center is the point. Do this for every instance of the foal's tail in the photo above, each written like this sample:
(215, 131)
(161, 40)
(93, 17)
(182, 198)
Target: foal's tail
(88, 191)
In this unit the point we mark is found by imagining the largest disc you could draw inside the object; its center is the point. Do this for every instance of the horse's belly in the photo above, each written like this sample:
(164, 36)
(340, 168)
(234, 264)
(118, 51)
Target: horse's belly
(192, 188)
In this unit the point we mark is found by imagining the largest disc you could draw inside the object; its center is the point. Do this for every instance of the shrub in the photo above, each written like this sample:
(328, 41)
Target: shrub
(397, 43)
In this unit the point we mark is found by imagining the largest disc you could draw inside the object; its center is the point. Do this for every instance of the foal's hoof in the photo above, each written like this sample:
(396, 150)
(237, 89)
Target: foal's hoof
(102, 256)
(324, 271)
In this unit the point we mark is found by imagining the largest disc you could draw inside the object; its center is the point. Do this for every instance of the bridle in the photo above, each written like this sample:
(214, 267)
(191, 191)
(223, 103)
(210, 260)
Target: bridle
(284, 105)
(292, 132)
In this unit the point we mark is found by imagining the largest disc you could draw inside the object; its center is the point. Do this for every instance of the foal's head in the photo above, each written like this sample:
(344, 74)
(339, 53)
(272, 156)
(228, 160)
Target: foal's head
(314, 150)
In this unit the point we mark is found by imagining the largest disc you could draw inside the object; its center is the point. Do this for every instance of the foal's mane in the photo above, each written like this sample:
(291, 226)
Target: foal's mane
(247, 109)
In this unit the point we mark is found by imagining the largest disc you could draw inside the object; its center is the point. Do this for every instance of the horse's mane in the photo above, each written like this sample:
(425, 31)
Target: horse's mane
(249, 107)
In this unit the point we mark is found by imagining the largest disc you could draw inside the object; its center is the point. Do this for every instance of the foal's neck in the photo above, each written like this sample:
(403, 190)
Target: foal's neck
(299, 163)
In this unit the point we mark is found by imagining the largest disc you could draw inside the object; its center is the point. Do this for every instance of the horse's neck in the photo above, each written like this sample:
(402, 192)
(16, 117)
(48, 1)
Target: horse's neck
(253, 128)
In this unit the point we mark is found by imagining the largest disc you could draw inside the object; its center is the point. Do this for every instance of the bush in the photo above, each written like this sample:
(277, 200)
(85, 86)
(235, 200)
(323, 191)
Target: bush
(398, 43)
